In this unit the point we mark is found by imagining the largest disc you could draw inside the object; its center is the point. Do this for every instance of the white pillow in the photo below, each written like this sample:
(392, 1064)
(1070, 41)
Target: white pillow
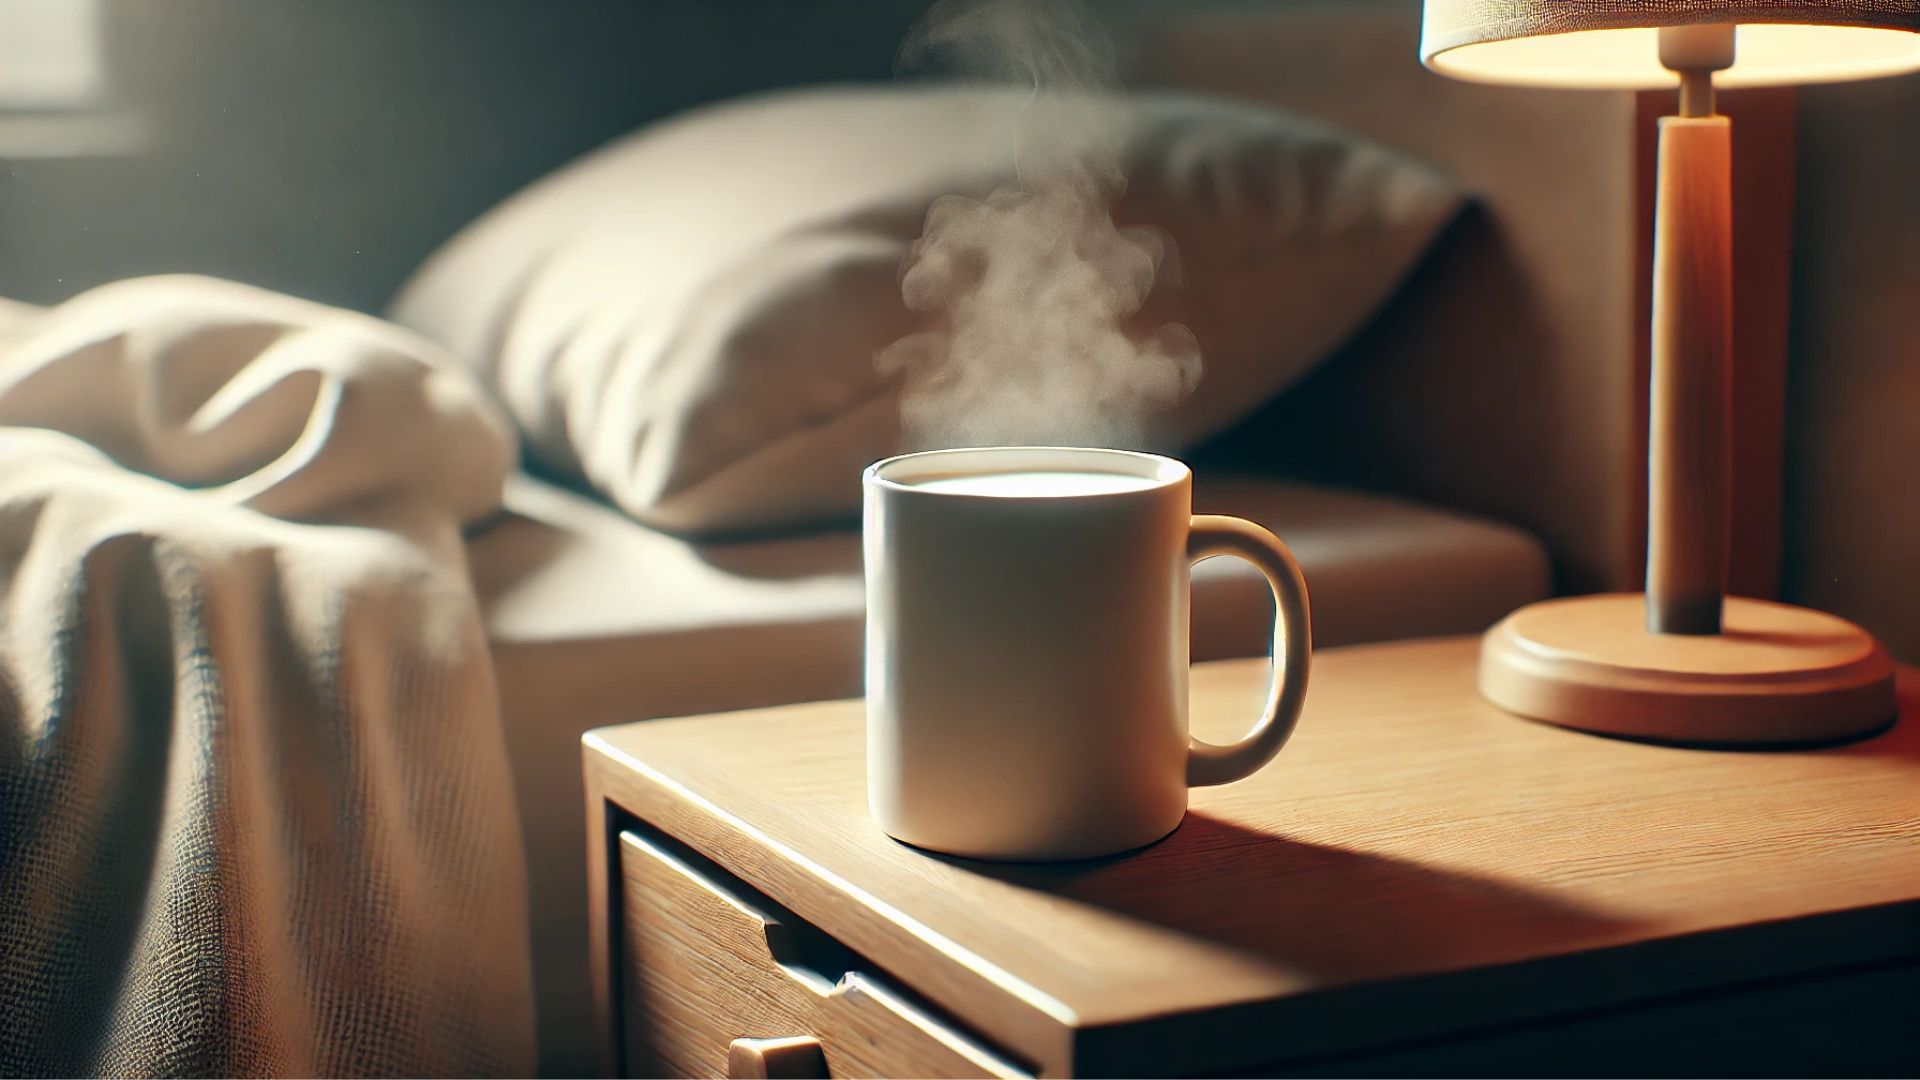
(687, 319)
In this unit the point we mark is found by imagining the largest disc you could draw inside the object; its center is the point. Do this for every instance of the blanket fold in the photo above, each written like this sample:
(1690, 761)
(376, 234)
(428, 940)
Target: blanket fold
(256, 815)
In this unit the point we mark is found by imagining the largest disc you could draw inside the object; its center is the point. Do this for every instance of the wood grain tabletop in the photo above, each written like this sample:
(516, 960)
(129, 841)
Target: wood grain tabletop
(1413, 853)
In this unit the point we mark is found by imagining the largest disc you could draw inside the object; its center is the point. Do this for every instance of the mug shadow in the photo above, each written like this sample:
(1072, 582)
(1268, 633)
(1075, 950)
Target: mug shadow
(1331, 913)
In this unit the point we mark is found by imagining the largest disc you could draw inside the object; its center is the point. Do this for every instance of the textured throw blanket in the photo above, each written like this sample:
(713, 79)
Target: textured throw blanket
(255, 808)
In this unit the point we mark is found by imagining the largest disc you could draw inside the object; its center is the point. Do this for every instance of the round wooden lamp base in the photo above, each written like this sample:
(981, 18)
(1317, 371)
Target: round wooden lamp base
(1776, 673)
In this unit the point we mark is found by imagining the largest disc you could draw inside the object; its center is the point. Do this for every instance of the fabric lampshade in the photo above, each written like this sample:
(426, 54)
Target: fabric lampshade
(1614, 43)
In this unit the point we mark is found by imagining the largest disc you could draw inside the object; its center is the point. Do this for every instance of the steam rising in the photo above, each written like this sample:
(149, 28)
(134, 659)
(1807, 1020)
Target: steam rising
(1033, 289)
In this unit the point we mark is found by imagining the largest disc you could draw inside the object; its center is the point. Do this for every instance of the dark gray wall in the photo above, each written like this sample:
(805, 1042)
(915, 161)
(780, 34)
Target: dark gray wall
(324, 147)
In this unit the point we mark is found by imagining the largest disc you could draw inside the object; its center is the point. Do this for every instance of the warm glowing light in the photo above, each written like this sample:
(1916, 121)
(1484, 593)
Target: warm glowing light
(1768, 54)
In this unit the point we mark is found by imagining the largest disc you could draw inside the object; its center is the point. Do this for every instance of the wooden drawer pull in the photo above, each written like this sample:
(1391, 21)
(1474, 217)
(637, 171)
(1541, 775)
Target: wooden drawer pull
(798, 1056)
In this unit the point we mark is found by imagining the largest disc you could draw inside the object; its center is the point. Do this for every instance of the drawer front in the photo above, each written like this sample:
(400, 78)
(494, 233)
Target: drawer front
(706, 963)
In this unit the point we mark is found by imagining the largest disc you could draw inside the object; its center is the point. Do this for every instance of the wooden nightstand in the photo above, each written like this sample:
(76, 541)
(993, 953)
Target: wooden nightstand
(1420, 884)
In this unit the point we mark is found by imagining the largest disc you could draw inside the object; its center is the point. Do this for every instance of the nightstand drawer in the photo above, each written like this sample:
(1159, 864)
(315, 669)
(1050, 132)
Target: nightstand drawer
(708, 962)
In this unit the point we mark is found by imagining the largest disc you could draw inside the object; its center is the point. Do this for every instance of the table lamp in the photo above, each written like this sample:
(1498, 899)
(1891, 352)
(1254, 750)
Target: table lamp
(1684, 662)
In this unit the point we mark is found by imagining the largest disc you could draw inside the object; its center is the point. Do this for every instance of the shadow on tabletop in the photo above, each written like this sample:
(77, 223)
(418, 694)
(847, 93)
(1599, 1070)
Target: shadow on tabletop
(1306, 906)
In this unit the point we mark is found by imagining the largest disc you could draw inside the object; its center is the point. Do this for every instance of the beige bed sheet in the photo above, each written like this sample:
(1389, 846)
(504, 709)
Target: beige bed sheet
(596, 620)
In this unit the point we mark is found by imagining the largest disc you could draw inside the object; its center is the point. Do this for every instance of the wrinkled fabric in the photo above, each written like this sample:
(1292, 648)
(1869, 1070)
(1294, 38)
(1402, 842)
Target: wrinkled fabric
(255, 806)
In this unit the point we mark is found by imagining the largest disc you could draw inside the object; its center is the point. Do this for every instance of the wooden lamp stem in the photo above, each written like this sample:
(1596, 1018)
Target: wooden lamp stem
(1690, 419)
(1690, 471)
(1686, 663)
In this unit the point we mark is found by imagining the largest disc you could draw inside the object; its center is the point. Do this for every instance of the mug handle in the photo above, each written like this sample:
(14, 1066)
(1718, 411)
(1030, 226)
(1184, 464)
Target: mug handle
(1213, 535)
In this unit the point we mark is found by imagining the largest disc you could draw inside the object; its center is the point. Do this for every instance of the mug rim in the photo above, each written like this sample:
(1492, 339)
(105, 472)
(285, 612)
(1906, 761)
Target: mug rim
(1165, 471)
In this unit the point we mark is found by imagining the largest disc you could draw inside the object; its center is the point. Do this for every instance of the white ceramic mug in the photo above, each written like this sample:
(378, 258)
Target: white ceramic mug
(1027, 649)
